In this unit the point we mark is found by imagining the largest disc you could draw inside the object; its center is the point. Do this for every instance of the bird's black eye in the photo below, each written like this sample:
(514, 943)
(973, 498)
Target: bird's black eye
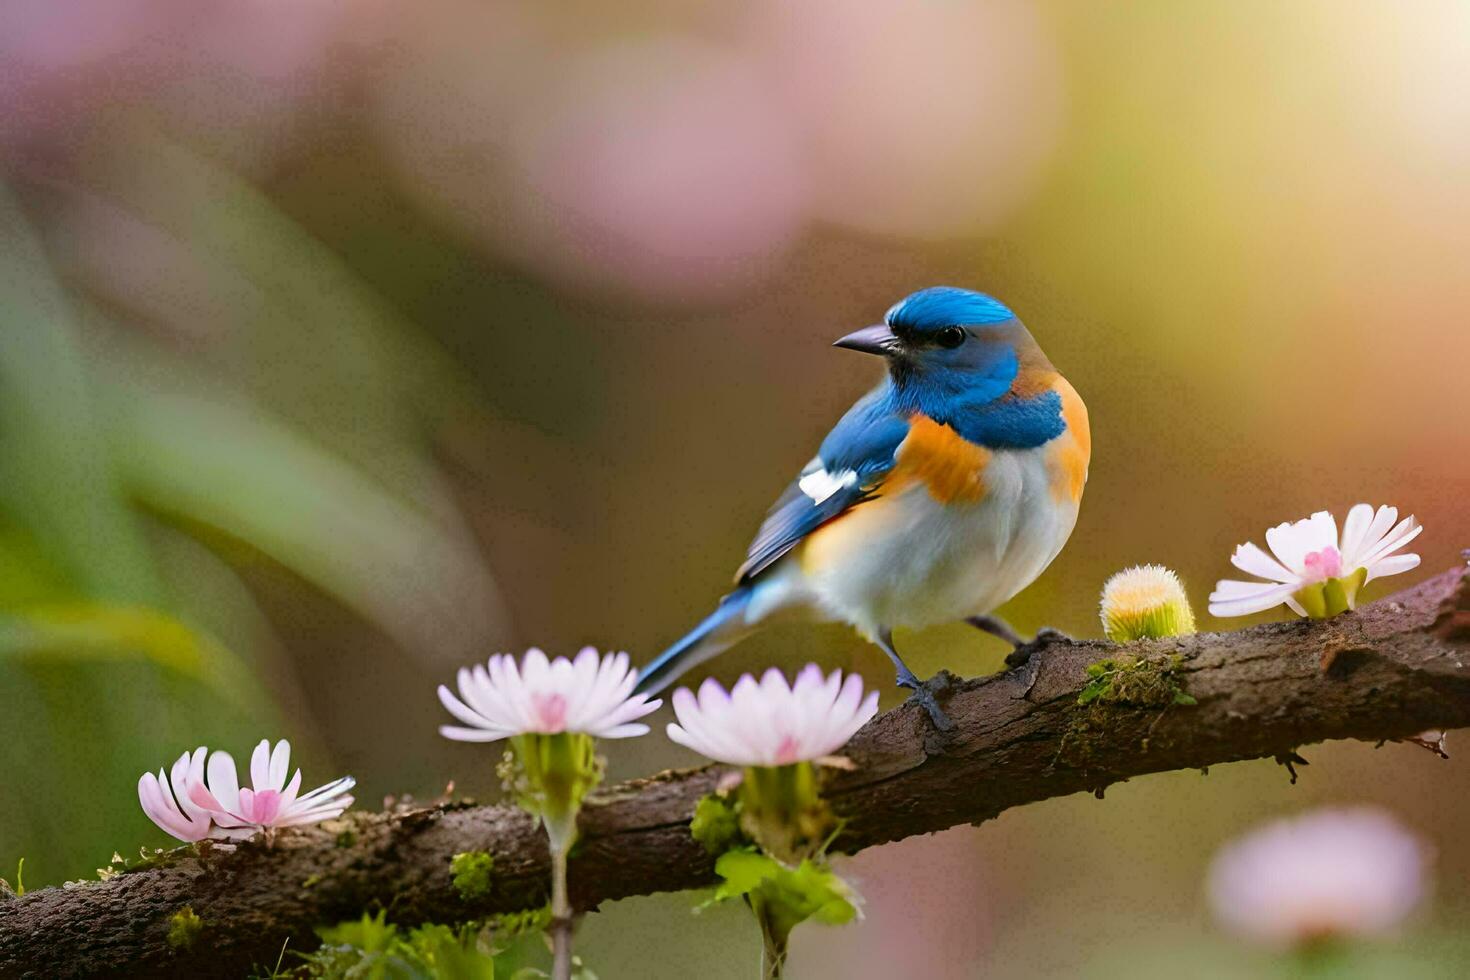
(950, 337)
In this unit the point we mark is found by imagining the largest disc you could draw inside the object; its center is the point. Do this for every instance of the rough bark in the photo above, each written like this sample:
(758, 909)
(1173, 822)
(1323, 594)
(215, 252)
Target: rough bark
(1392, 669)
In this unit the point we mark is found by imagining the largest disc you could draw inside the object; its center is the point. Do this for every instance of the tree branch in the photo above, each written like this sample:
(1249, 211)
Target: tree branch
(1393, 669)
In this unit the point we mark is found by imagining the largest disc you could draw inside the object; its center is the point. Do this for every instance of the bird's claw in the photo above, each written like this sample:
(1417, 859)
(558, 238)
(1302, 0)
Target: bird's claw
(924, 696)
(1045, 636)
(1025, 658)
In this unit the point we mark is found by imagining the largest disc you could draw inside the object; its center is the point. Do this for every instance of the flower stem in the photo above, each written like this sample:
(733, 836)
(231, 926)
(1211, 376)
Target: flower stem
(561, 834)
(561, 917)
(774, 940)
(550, 775)
(773, 958)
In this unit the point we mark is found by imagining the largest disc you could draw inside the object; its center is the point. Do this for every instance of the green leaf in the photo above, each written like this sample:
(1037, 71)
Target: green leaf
(75, 553)
(328, 390)
(223, 466)
(449, 954)
(84, 630)
(329, 337)
(817, 891)
(788, 896)
(511, 926)
(371, 933)
(371, 948)
(742, 871)
(59, 473)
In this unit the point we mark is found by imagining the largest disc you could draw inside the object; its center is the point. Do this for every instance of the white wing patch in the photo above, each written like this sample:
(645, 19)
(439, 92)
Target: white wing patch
(819, 484)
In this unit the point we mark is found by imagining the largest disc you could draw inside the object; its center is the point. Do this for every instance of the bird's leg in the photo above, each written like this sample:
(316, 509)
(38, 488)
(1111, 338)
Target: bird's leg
(1023, 652)
(906, 678)
(996, 626)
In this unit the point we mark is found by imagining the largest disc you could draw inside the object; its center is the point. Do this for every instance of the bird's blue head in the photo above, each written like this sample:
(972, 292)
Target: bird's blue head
(947, 339)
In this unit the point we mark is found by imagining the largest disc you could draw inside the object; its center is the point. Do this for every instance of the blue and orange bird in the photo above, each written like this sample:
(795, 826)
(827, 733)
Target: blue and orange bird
(942, 493)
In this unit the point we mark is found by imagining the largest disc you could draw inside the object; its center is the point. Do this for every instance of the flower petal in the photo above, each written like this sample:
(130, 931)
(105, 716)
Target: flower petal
(1253, 561)
(1234, 598)
(459, 734)
(1292, 542)
(224, 786)
(771, 721)
(1407, 530)
(1354, 532)
(280, 764)
(1393, 565)
(260, 763)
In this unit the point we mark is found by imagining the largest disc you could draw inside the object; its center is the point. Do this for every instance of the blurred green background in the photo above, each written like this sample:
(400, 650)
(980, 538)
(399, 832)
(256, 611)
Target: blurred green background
(342, 343)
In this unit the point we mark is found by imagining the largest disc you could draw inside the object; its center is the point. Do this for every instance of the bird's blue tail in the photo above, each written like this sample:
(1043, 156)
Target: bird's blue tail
(717, 632)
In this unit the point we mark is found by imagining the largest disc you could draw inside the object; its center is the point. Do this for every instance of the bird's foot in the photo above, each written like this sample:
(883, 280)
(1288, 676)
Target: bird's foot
(1045, 636)
(996, 626)
(924, 696)
(1026, 656)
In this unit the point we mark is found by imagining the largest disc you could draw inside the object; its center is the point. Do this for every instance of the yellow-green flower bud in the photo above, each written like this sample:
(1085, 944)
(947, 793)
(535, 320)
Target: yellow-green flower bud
(1145, 602)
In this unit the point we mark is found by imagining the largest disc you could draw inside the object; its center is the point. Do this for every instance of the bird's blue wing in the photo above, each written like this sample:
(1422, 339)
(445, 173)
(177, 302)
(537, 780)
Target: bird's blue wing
(847, 470)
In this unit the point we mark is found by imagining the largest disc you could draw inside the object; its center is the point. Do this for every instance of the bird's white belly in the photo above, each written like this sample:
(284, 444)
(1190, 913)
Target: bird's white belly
(905, 559)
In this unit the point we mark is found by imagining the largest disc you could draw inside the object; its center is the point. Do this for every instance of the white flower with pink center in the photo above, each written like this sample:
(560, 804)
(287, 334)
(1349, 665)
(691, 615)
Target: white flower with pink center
(270, 801)
(1332, 874)
(771, 723)
(550, 711)
(1312, 569)
(590, 695)
(204, 798)
(165, 798)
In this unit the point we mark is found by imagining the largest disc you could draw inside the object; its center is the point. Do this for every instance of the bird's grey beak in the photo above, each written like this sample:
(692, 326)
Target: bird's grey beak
(877, 339)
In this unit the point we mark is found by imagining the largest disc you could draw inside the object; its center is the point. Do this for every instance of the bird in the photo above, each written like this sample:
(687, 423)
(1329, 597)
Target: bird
(942, 493)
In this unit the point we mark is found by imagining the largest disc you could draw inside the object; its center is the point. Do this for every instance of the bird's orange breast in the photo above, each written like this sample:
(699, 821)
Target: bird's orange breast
(1070, 453)
(950, 466)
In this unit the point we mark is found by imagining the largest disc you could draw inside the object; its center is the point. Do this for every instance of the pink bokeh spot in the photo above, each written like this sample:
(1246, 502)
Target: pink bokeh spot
(1323, 565)
(666, 168)
(918, 119)
(551, 712)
